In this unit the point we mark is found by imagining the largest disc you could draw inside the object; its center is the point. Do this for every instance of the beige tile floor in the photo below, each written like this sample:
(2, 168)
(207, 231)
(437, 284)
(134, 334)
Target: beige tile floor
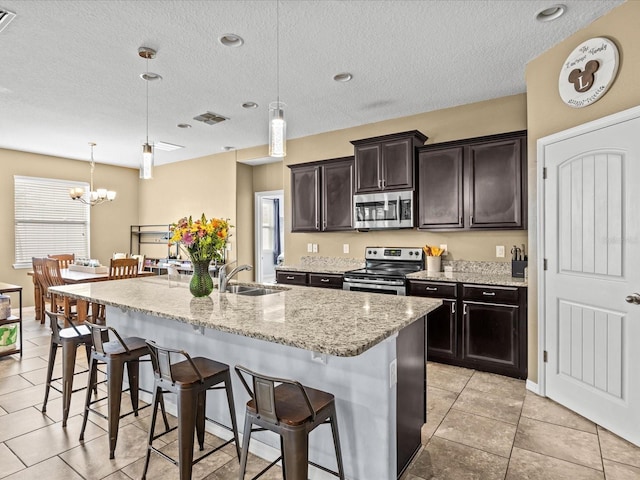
(480, 426)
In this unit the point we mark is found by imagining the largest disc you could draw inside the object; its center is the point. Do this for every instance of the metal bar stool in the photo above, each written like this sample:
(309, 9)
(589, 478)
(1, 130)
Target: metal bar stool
(115, 354)
(292, 411)
(69, 339)
(189, 379)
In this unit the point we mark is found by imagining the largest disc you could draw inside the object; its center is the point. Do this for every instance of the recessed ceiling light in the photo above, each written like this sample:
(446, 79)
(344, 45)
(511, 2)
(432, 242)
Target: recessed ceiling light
(551, 13)
(343, 77)
(231, 40)
(184, 125)
(249, 105)
(150, 76)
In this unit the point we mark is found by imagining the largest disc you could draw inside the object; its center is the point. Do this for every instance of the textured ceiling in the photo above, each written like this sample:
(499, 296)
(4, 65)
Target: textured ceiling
(69, 70)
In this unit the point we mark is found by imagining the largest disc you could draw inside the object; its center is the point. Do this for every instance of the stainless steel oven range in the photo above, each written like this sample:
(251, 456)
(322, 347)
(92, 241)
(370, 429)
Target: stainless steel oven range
(385, 270)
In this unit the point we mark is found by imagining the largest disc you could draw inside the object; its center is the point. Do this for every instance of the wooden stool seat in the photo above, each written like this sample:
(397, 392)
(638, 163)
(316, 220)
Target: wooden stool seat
(291, 407)
(291, 410)
(189, 379)
(135, 347)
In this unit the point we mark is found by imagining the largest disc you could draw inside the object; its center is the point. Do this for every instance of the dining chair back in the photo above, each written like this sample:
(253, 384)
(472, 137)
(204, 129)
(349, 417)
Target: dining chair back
(40, 281)
(140, 259)
(123, 268)
(64, 259)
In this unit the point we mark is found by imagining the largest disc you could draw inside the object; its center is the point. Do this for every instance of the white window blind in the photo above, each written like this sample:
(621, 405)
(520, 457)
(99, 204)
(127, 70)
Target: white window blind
(47, 220)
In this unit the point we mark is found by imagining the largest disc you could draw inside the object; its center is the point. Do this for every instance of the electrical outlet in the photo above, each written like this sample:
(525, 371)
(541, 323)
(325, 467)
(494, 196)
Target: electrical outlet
(229, 246)
(393, 373)
(345, 248)
(315, 248)
(500, 251)
(443, 247)
(309, 247)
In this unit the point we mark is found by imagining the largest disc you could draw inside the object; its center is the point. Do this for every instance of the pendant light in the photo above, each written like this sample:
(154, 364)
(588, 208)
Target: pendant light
(277, 123)
(96, 197)
(146, 165)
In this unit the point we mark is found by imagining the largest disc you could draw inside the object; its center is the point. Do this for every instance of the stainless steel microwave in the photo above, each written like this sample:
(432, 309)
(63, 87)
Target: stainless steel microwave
(375, 211)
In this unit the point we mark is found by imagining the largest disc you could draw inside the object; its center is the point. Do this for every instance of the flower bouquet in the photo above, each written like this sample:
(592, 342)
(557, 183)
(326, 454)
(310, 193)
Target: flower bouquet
(204, 241)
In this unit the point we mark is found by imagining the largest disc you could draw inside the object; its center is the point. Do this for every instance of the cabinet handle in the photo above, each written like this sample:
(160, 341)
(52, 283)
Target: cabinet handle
(470, 219)
(489, 294)
(291, 278)
(431, 289)
(464, 309)
(384, 183)
(324, 280)
(453, 308)
(379, 183)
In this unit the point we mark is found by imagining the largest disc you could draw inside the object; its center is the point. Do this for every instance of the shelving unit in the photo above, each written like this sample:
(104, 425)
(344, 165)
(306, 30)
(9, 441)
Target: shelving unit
(8, 288)
(149, 234)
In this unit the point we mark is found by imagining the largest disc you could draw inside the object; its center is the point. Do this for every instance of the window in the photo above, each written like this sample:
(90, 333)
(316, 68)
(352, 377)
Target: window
(47, 220)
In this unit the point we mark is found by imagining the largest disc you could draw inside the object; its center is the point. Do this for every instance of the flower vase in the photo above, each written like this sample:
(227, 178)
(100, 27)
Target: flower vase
(201, 283)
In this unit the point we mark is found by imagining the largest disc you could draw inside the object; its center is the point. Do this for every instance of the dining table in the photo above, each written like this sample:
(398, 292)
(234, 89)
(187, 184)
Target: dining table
(71, 277)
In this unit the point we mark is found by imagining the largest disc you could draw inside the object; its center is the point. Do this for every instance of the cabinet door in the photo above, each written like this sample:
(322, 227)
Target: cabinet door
(368, 159)
(440, 191)
(495, 179)
(337, 196)
(305, 185)
(397, 165)
(490, 336)
(325, 280)
(442, 332)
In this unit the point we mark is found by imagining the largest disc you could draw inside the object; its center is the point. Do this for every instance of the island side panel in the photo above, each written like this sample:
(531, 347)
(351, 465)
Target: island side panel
(365, 399)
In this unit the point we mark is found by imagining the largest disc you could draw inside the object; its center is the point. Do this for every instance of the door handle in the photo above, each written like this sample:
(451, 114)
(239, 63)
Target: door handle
(633, 298)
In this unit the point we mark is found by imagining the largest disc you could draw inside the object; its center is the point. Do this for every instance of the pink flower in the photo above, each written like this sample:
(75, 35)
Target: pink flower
(187, 239)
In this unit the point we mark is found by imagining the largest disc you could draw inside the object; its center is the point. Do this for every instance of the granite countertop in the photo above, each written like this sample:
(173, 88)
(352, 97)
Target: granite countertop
(470, 277)
(323, 320)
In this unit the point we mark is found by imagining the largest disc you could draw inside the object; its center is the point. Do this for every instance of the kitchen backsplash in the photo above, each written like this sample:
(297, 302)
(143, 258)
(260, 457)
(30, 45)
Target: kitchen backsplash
(469, 266)
(318, 261)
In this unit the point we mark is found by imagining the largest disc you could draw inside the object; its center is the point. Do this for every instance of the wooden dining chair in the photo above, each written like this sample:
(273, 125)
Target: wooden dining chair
(123, 268)
(53, 278)
(40, 281)
(64, 259)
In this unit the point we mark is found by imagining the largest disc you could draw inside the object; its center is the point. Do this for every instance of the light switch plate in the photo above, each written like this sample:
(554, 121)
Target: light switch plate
(315, 248)
(309, 247)
(345, 248)
(443, 246)
(500, 251)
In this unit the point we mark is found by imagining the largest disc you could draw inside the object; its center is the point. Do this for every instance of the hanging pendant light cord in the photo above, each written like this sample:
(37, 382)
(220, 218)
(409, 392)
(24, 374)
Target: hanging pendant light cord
(278, 51)
(93, 166)
(147, 85)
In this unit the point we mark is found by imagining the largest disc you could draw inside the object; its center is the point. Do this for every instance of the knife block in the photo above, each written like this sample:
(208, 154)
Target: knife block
(517, 268)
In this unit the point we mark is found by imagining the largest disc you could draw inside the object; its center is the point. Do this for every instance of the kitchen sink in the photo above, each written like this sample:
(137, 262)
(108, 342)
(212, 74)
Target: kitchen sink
(251, 291)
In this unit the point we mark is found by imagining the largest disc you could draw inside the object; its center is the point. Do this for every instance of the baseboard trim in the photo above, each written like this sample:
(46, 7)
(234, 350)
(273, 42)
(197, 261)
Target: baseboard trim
(532, 387)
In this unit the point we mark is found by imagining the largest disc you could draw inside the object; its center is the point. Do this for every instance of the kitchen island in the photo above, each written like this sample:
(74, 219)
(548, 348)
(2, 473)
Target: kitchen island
(366, 349)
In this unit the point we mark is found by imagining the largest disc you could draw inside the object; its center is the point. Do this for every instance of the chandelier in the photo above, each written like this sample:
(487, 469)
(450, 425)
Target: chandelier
(96, 197)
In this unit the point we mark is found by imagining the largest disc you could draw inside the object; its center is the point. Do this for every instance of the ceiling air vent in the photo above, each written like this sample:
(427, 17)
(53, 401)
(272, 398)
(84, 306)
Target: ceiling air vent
(210, 118)
(5, 18)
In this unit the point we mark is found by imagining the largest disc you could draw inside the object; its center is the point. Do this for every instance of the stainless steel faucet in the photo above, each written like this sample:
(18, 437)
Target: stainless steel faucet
(225, 277)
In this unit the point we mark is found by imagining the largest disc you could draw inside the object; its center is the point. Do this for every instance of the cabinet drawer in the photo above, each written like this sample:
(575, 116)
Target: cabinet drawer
(490, 294)
(325, 280)
(292, 278)
(433, 289)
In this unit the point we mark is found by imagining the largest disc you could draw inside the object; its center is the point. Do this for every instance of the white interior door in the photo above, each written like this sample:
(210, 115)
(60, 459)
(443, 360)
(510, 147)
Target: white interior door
(590, 235)
(269, 228)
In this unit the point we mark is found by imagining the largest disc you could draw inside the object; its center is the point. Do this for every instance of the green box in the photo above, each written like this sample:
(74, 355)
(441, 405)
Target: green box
(8, 335)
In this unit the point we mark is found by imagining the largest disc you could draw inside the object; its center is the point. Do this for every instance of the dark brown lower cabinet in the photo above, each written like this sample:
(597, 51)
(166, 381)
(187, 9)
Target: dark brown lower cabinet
(483, 327)
(322, 280)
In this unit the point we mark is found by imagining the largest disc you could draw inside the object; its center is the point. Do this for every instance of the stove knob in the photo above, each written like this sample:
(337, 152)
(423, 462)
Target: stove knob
(417, 253)
(410, 253)
(375, 252)
(369, 252)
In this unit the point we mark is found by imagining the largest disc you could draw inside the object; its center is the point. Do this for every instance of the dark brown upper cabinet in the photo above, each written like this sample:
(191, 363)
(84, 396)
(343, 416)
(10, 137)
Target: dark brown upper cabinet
(322, 195)
(474, 184)
(386, 163)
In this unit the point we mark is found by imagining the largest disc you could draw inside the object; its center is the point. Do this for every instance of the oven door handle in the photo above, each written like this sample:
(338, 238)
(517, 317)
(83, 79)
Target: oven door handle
(391, 283)
(398, 289)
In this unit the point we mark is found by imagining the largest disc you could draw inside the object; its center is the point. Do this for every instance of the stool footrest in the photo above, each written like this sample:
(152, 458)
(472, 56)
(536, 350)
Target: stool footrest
(264, 470)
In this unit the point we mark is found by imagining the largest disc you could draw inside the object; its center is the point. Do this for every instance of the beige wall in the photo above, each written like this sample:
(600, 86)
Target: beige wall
(268, 177)
(245, 219)
(494, 116)
(547, 114)
(109, 222)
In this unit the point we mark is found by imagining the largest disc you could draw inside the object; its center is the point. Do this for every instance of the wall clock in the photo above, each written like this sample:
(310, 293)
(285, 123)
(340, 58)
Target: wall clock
(588, 72)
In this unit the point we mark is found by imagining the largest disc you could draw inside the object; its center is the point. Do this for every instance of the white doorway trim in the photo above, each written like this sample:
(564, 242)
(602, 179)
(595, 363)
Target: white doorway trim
(257, 227)
(542, 143)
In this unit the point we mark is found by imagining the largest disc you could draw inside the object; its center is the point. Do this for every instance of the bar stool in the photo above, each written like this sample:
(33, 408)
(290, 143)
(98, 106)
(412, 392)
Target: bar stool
(69, 339)
(189, 379)
(292, 411)
(115, 354)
